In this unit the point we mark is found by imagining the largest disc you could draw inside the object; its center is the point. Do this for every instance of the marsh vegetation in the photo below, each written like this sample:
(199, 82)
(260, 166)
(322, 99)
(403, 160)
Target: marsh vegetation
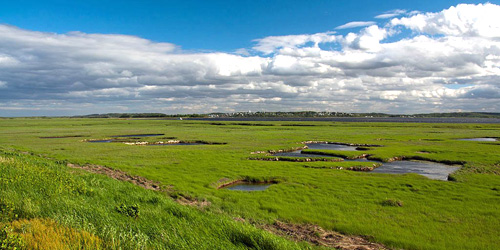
(406, 211)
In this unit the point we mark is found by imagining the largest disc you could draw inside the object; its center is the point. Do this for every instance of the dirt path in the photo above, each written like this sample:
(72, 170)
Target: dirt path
(318, 236)
(139, 181)
(119, 175)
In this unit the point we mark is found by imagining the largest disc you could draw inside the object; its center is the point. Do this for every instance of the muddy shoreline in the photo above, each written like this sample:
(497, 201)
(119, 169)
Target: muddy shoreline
(243, 181)
(147, 143)
(360, 147)
(321, 237)
(119, 175)
(298, 159)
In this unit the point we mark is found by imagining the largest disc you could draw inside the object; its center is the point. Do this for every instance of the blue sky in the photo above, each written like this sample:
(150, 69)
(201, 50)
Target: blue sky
(81, 57)
(202, 25)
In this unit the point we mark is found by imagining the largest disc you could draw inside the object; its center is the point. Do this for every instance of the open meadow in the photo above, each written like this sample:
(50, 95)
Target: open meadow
(43, 183)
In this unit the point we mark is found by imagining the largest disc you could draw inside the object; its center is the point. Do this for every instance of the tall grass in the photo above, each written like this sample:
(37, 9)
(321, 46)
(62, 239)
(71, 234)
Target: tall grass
(47, 234)
(52, 208)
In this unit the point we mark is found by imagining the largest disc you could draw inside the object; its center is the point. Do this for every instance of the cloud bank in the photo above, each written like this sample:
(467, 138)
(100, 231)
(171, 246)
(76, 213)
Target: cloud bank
(449, 61)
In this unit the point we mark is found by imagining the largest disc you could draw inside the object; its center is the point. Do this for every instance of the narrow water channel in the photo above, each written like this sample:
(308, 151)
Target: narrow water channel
(431, 170)
(249, 187)
(478, 139)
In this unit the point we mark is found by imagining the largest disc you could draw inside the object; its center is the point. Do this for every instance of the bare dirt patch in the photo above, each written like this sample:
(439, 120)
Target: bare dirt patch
(318, 236)
(140, 181)
(119, 175)
(193, 202)
(297, 159)
(352, 168)
(138, 135)
(225, 182)
(423, 152)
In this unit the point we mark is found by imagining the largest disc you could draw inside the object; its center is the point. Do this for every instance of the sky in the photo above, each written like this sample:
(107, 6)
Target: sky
(61, 58)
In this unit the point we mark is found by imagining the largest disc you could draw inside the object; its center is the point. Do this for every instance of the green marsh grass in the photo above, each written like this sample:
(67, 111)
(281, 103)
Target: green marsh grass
(53, 207)
(461, 214)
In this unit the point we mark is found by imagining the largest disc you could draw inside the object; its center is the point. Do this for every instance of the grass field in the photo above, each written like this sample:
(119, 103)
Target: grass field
(401, 211)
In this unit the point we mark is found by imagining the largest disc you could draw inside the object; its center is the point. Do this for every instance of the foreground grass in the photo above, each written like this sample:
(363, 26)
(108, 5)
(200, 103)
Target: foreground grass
(44, 205)
(462, 214)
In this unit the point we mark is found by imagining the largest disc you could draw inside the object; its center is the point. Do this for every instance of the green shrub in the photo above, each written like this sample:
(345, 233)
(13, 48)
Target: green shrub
(131, 210)
(10, 240)
(392, 203)
(7, 211)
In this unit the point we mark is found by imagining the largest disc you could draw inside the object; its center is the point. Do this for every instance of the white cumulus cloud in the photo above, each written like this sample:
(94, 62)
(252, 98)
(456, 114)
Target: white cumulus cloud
(450, 62)
(355, 25)
(463, 20)
(270, 44)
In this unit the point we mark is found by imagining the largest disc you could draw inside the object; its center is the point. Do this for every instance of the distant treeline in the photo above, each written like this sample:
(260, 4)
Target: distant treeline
(137, 115)
(291, 114)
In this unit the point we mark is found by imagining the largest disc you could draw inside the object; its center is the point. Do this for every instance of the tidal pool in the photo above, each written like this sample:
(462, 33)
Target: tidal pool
(478, 139)
(331, 146)
(432, 170)
(138, 135)
(249, 186)
(101, 141)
